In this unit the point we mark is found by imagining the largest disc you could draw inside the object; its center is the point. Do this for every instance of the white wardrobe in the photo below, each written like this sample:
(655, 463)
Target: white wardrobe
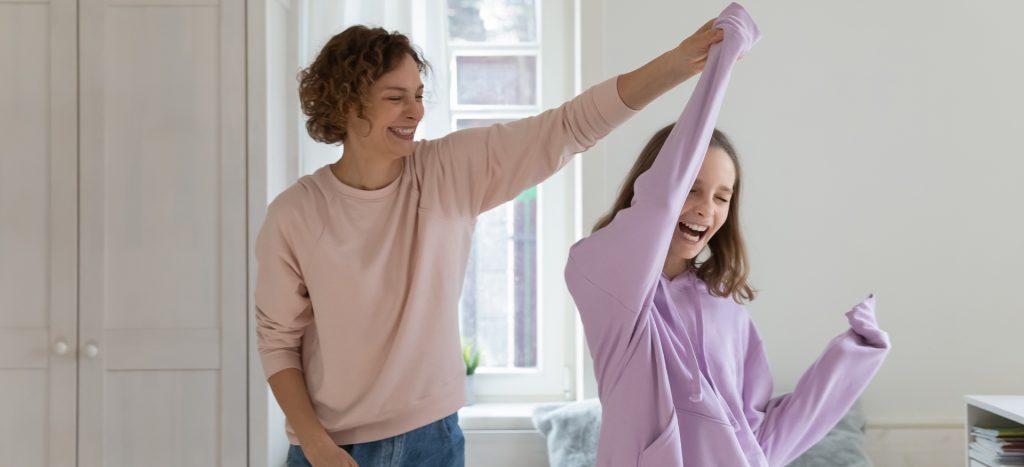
(123, 233)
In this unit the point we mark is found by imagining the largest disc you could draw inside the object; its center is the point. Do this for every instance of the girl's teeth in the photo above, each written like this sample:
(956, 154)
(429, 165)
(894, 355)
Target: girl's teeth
(691, 238)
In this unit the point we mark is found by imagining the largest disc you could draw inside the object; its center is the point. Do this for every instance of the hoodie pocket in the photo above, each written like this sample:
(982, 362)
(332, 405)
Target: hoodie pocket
(710, 441)
(666, 450)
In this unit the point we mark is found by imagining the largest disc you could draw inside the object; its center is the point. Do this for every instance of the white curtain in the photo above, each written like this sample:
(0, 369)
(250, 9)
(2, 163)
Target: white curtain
(325, 18)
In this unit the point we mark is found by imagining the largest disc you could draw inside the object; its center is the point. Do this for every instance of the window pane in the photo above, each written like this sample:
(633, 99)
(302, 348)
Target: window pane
(524, 239)
(499, 298)
(502, 21)
(486, 296)
(463, 123)
(496, 80)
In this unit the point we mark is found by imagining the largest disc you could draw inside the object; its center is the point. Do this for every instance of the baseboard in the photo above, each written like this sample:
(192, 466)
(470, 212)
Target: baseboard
(505, 448)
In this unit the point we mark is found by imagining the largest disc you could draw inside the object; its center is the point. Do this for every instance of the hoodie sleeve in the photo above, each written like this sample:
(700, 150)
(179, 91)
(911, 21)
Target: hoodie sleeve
(788, 425)
(625, 258)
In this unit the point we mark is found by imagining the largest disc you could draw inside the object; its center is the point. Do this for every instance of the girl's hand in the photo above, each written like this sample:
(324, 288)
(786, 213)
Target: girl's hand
(862, 321)
(692, 53)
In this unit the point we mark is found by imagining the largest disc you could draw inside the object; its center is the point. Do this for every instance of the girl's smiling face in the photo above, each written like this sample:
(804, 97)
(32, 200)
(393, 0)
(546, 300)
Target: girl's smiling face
(706, 207)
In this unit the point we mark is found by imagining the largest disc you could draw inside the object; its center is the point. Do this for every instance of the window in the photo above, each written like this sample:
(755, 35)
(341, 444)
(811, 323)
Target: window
(493, 52)
(503, 64)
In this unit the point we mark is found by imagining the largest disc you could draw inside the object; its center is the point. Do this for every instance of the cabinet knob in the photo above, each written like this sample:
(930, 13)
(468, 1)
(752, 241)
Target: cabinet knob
(91, 350)
(60, 347)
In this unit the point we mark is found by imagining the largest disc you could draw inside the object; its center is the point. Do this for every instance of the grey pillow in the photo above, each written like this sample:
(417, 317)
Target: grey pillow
(841, 447)
(572, 430)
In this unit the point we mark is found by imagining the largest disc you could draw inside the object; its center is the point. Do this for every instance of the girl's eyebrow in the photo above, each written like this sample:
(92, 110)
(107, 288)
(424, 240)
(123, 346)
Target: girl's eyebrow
(697, 183)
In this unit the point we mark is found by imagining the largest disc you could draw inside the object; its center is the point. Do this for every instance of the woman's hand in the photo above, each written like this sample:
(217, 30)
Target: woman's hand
(289, 387)
(692, 53)
(328, 455)
(641, 86)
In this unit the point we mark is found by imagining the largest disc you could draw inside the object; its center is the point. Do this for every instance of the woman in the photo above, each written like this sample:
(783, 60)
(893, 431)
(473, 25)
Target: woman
(361, 263)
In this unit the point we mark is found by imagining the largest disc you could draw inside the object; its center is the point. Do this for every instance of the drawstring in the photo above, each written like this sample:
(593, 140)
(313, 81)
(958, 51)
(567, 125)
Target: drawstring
(697, 395)
(696, 391)
(685, 344)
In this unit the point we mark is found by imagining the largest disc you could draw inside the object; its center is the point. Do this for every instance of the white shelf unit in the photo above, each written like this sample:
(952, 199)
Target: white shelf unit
(991, 411)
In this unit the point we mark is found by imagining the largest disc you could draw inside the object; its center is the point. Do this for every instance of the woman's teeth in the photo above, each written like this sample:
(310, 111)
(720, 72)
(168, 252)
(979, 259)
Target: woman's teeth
(402, 131)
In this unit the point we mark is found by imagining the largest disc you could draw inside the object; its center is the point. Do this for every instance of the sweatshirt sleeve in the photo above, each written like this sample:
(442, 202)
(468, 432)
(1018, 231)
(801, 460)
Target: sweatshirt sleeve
(625, 257)
(788, 425)
(283, 309)
(471, 171)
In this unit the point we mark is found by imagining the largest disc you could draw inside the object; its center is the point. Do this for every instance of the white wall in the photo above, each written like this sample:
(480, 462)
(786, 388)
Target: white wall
(882, 153)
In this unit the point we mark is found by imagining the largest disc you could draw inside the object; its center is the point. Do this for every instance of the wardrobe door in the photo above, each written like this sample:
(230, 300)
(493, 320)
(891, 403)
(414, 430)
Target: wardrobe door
(38, 224)
(163, 233)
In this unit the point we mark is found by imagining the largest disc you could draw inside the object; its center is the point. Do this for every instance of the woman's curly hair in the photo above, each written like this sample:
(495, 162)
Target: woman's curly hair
(340, 77)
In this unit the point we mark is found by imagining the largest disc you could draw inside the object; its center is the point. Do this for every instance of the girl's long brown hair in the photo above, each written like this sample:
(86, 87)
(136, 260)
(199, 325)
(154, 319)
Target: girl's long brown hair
(726, 269)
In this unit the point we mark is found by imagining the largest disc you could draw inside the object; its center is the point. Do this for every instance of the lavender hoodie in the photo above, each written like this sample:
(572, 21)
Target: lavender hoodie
(682, 375)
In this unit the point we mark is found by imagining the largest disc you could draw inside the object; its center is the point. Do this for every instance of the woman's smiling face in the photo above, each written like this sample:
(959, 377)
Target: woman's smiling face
(393, 110)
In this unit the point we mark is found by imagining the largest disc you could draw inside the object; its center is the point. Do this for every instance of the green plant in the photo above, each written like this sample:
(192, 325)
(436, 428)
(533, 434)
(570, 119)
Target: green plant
(471, 356)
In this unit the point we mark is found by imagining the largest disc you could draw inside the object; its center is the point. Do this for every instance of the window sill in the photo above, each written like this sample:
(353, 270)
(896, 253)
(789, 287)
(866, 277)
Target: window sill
(494, 416)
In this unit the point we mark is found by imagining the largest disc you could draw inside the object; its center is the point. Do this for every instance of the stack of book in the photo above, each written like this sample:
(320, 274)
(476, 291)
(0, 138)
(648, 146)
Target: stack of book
(996, 447)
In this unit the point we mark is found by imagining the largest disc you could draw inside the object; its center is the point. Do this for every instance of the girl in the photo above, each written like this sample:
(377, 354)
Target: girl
(361, 263)
(681, 371)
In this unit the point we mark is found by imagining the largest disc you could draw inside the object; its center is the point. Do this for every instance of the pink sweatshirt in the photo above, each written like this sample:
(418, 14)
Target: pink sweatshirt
(359, 289)
(682, 375)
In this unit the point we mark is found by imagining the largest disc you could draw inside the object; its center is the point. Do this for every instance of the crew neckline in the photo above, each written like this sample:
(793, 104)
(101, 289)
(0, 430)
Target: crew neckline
(328, 177)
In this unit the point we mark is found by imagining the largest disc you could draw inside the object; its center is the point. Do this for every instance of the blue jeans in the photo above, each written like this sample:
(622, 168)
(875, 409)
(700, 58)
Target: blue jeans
(439, 444)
